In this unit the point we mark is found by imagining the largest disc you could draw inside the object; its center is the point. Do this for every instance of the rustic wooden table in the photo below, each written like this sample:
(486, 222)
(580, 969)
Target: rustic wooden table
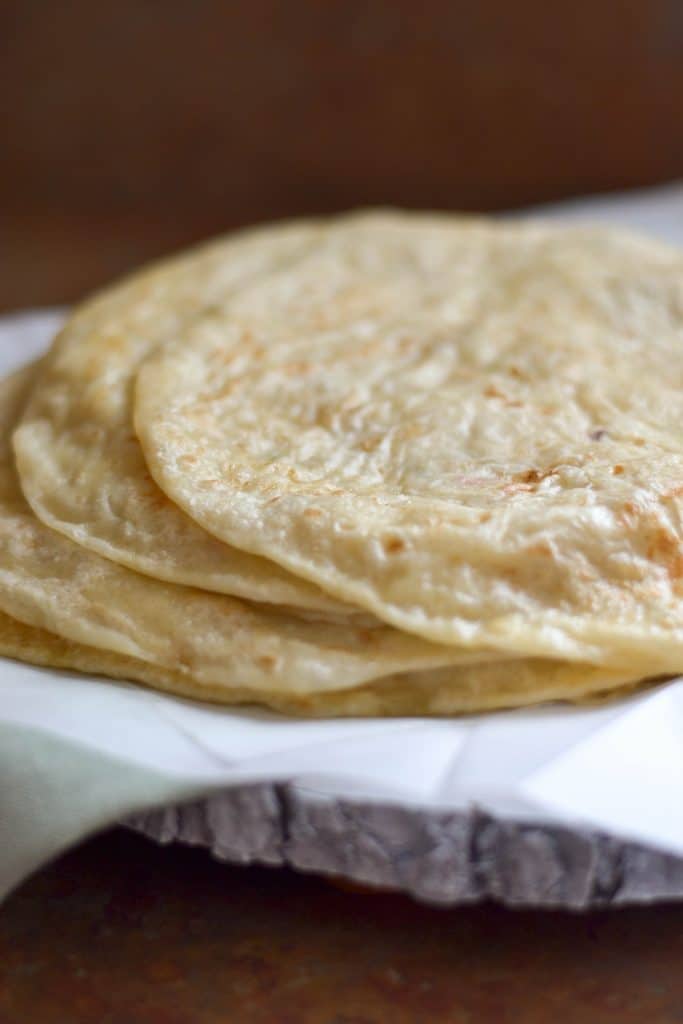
(121, 931)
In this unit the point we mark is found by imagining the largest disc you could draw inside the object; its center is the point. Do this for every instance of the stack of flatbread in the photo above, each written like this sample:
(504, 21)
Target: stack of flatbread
(383, 464)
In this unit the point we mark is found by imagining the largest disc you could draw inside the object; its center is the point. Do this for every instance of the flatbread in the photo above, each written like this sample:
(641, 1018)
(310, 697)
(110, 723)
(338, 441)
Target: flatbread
(81, 466)
(48, 582)
(472, 431)
(458, 690)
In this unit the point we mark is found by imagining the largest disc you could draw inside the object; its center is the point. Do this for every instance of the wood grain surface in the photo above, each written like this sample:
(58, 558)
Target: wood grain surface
(125, 932)
(131, 128)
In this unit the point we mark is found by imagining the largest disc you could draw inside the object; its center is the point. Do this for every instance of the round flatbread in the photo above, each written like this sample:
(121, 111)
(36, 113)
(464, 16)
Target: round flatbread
(471, 430)
(212, 640)
(454, 691)
(81, 466)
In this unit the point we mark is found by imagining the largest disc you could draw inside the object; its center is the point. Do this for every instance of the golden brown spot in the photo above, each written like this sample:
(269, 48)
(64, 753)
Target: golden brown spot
(665, 547)
(618, 469)
(537, 476)
(514, 371)
(266, 662)
(543, 548)
(393, 544)
(493, 392)
(370, 443)
(292, 474)
(224, 392)
(529, 479)
(158, 499)
(485, 517)
(628, 514)
(185, 656)
(662, 545)
(639, 441)
(312, 513)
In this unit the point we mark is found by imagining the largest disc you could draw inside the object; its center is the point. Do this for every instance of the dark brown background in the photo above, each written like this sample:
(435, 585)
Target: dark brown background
(129, 128)
(125, 932)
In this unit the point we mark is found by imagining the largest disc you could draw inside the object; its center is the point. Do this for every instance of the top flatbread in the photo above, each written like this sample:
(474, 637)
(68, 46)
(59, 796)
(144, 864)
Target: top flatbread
(81, 465)
(473, 431)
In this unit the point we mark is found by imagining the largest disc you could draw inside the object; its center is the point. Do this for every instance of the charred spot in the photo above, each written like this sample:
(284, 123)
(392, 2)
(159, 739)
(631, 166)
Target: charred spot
(598, 435)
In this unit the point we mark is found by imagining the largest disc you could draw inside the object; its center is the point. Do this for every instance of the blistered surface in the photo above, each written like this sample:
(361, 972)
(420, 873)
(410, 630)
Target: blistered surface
(471, 430)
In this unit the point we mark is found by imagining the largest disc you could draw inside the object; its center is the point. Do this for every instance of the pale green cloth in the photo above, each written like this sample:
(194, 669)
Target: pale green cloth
(54, 792)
